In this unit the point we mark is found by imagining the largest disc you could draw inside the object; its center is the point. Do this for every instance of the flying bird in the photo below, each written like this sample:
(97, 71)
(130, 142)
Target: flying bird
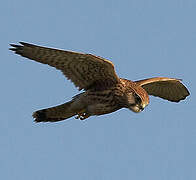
(104, 92)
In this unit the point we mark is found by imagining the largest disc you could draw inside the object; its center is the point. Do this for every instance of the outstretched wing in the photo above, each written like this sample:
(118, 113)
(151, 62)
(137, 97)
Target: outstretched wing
(86, 71)
(166, 88)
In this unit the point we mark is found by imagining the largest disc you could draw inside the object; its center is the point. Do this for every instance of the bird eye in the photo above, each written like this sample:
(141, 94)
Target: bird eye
(137, 98)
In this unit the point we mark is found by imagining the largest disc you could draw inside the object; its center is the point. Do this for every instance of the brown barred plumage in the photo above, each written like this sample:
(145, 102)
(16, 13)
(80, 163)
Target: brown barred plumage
(104, 92)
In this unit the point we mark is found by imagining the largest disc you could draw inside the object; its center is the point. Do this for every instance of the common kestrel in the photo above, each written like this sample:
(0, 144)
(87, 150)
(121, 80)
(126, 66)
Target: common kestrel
(104, 92)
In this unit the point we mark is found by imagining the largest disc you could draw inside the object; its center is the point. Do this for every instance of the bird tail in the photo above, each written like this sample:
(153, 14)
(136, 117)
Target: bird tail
(57, 113)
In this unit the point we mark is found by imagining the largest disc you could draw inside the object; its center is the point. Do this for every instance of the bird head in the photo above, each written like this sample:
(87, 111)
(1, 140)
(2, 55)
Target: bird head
(136, 103)
(137, 97)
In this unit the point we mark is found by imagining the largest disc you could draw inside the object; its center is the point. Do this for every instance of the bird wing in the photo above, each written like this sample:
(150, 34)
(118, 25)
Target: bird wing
(86, 71)
(166, 88)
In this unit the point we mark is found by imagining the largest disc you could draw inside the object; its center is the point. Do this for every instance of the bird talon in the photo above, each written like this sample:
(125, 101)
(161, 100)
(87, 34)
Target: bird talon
(77, 117)
(82, 116)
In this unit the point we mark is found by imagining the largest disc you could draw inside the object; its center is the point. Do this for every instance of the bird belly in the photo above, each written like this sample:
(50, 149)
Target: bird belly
(100, 108)
(100, 102)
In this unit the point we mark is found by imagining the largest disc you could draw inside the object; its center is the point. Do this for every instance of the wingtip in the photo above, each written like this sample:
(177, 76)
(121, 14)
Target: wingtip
(23, 43)
(12, 49)
(26, 44)
(15, 47)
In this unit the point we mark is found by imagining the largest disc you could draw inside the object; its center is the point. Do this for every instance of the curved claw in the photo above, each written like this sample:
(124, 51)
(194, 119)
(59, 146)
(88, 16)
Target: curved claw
(82, 116)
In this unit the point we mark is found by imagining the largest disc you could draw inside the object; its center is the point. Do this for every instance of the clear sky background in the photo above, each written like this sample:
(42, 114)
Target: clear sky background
(143, 38)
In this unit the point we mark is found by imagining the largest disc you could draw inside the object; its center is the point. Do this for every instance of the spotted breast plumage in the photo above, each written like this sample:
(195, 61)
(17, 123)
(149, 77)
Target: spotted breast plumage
(104, 92)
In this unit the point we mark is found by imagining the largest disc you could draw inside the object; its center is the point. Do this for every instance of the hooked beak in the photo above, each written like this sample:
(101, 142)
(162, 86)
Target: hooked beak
(137, 108)
(141, 108)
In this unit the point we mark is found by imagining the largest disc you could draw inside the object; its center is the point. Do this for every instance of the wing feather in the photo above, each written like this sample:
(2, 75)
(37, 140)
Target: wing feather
(166, 88)
(84, 70)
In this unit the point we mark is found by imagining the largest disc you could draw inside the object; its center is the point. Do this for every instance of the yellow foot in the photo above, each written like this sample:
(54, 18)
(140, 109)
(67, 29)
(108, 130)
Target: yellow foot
(82, 115)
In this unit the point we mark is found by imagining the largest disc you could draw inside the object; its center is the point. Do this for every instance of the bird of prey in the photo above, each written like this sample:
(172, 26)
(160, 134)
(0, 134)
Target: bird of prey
(104, 92)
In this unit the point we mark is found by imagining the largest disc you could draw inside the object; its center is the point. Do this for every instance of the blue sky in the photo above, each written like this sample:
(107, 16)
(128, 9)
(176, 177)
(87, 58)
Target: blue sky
(143, 38)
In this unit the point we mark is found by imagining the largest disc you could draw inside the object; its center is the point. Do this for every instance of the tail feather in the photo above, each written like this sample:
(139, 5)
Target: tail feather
(53, 114)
